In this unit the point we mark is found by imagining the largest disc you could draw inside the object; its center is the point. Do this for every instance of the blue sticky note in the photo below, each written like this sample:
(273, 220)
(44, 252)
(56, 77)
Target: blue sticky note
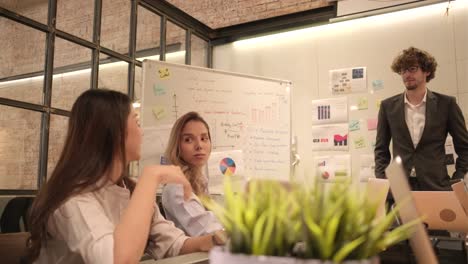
(377, 85)
(354, 125)
(159, 90)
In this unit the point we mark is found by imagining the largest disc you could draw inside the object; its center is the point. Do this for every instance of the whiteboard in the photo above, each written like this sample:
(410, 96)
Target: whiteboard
(247, 113)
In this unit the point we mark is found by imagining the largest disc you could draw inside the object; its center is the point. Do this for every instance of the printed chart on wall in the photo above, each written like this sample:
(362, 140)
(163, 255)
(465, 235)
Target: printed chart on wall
(349, 80)
(224, 165)
(245, 113)
(333, 168)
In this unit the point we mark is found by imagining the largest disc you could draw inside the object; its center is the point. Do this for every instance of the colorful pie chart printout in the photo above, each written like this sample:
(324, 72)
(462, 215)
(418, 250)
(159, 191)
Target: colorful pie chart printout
(224, 165)
(227, 166)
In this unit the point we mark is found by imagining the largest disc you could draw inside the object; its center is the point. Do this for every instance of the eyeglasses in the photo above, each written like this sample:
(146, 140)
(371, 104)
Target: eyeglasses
(411, 69)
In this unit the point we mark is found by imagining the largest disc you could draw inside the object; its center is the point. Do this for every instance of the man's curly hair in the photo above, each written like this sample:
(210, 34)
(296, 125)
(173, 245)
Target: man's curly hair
(415, 57)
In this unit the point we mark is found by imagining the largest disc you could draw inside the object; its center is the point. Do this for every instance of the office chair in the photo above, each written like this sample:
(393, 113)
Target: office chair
(15, 211)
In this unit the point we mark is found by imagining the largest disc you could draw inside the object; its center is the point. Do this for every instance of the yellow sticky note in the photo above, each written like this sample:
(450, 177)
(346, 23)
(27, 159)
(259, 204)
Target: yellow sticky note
(360, 142)
(362, 103)
(164, 73)
(159, 112)
(377, 103)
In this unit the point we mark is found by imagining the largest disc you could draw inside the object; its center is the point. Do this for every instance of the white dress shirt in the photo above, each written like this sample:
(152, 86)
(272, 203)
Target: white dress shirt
(82, 229)
(190, 216)
(415, 116)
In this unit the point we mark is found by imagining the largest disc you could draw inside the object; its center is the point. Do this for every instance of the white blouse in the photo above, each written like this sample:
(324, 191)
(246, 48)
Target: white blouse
(190, 216)
(82, 229)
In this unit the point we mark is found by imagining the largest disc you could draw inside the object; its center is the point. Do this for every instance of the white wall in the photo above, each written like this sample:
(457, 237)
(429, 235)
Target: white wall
(347, 7)
(305, 57)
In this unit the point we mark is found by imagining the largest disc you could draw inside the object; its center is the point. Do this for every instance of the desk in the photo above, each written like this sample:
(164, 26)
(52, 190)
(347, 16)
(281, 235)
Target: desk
(448, 251)
(193, 258)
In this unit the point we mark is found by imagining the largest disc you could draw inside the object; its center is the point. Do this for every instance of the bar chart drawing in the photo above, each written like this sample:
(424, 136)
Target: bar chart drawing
(266, 114)
(323, 112)
(340, 140)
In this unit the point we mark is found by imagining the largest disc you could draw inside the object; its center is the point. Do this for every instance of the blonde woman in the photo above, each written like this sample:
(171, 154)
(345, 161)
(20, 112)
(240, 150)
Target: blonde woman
(189, 148)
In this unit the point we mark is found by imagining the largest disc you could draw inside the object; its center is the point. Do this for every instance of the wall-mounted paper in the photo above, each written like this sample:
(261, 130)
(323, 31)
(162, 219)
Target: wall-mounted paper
(159, 90)
(223, 164)
(330, 137)
(366, 167)
(164, 73)
(159, 112)
(359, 142)
(333, 168)
(377, 103)
(372, 123)
(354, 125)
(349, 80)
(362, 103)
(377, 85)
(332, 110)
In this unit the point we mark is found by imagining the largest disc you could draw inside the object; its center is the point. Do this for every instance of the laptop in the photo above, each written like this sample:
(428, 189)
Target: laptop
(461, 191)
(399, 186)
(377, 190)
(441, 210)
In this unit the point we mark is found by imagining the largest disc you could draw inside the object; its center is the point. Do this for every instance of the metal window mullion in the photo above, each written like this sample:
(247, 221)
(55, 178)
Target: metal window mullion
(209, 56)
(17, 192)
(132, 48)
(162, 39)
(97, 42)
(188, 46)
(23, 20)
(22, 105)
(47, 93)
(114, 54)
(74, 39)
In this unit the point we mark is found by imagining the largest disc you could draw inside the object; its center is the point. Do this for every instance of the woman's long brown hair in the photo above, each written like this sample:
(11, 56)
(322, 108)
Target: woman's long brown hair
(96, 134)
(194, 175)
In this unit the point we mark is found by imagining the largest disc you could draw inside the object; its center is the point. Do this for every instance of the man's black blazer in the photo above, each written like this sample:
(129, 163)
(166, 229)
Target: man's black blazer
(443, 116)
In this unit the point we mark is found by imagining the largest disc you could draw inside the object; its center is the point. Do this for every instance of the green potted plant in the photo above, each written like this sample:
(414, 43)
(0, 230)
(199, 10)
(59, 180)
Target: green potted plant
(276, 223)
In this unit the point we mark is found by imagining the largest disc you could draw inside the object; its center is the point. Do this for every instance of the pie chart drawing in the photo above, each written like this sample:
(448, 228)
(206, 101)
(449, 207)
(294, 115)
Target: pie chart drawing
(227, 166)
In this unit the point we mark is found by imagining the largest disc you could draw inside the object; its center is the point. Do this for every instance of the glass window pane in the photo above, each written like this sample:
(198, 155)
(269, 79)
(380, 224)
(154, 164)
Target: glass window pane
(57, 135)
(22, 56)
(199, 51)
(19, 147)
(138, 83)
(72, 73)
(148, 34)
(76, 17)
(175, 43)
(113, 74)
(36, 9)
(115, 25)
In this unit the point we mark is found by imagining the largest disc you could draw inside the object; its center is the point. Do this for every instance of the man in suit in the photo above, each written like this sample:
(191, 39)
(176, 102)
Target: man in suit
(417, 121)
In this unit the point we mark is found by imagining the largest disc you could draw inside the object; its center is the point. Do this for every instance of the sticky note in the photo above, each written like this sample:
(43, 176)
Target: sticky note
(164, 73)
(362, 103)
(372, 123)
(359, 142)
(354, 125)
(377, 85)
(158, 89)
(159, 112)
(377, 103)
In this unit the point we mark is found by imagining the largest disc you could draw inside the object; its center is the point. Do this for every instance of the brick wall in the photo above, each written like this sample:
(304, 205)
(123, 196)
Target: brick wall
(23, 51)
(222, 13)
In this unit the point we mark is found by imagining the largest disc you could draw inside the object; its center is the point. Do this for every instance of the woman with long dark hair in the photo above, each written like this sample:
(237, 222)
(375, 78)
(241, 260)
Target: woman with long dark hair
(89, 211)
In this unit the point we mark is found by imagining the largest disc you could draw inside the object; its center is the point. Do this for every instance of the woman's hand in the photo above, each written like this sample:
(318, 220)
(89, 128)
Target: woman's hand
(169, 174)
